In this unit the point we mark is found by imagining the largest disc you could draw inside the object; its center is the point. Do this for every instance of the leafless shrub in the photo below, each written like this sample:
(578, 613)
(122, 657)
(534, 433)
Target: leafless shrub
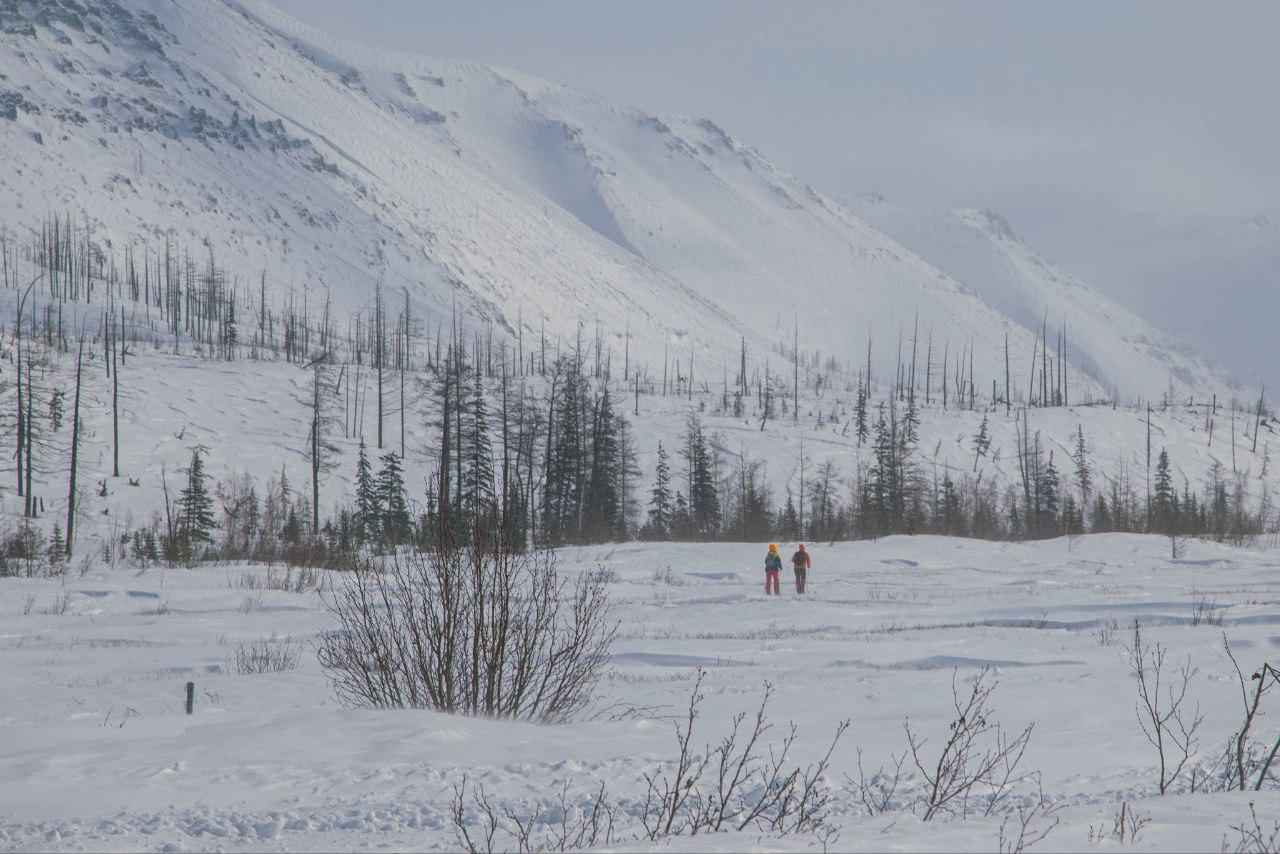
(1166, 720)
(1107, 632)
(734, 785)
(605, 574)
(1246, 759)
(265, 655)
(1205, 611)
(1125, 827)
(581, 826)
(129, 712)
(666, 576)
(159, 610)
(877, 793)
(1252, 837)
(285, 579)
(61, 604)
(1018, 830)
(470, 628)
(978, 766)
(251, 603)
(28, 602)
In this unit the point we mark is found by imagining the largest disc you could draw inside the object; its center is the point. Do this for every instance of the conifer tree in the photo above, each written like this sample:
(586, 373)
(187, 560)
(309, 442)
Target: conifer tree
(195, 508)
(367, 505)
(661, 510)
(1050, 493)
(981, 442)
(479, 499)
(602, 510)
(1084, 478)
(704, 501)
(860, 415)
(789, 520)
(562, 499)
(396, 523)
(1164, 498)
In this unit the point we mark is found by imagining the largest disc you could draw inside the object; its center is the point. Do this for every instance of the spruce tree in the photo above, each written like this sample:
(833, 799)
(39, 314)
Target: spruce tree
(789, 520)
(479, 499)
(981, 442)
(602, 510)
(367, 505)
(1164, 500)
(661, 509)
(396, 523)
(704, 501)
(562, 500)
(860, 415)
(195, 508)
(1084, 478)
(1050, 490)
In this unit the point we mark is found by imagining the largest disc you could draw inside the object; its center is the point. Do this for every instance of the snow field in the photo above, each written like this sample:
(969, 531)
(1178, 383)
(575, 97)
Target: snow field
(98, 755)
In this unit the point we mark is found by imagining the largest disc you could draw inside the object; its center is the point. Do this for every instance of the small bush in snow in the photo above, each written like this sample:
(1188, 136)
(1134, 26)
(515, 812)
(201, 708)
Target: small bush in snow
(265, 655)
(472, 627)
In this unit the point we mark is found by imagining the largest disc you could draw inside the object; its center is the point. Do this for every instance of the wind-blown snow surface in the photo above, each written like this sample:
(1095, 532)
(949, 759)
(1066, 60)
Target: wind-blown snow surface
(227, 125)
(97, 754)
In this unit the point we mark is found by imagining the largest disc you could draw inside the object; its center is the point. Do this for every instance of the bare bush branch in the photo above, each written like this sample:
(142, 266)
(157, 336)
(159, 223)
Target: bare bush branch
(1125, 827)
(1252, 837)
(475, 628)
(1162, 710)
(265, 655)
(978, 759)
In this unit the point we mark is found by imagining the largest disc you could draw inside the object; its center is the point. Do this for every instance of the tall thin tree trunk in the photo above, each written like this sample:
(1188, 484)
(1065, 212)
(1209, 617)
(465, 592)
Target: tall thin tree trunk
(75, 451)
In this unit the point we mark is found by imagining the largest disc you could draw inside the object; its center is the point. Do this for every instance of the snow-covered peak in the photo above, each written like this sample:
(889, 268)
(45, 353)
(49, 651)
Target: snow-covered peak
(229, 128)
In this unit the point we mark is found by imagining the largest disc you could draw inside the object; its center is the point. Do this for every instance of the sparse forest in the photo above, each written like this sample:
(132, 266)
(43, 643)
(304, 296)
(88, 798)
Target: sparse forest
(536, 437)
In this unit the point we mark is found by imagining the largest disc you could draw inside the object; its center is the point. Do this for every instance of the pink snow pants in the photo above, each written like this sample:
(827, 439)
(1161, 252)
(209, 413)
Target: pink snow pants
(771, 582)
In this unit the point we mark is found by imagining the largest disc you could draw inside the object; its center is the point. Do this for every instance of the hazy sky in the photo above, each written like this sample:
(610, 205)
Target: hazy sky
(1068, 118)
(1018, 106)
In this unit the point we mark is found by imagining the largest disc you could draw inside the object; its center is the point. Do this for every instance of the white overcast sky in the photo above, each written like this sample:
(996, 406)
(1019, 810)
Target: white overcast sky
(1068, 118)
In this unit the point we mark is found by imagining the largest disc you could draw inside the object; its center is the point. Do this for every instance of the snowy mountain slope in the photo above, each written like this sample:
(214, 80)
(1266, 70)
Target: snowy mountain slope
(1115, 347)
(228, 128)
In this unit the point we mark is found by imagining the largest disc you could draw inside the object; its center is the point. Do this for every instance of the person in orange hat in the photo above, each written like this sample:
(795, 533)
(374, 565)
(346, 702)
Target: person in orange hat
(772, 570)
(800, 563)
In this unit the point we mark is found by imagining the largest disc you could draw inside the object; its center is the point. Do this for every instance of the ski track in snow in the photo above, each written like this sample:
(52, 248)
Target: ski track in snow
(97, 754)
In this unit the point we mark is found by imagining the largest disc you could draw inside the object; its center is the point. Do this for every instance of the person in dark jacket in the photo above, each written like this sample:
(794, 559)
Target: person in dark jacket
(800, 563)
(772, 570)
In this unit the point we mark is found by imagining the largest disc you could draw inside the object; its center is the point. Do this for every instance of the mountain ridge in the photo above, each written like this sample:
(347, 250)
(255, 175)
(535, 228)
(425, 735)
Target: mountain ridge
(512, 200)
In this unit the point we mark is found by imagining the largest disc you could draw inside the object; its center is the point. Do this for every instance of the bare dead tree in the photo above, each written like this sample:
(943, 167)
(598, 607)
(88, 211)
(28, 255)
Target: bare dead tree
(1167, 721)
(75, 451)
